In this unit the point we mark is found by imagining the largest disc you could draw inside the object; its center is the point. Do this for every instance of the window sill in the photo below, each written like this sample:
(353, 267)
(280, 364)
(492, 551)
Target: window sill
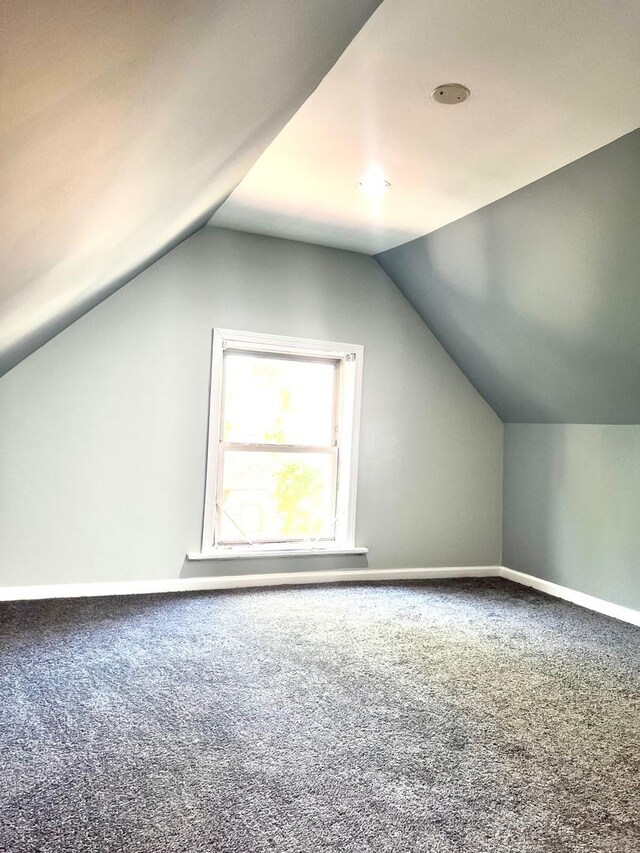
(245, 554)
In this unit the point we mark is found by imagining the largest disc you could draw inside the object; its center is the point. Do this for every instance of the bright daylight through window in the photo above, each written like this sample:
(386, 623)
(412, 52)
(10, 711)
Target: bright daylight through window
(283, 432)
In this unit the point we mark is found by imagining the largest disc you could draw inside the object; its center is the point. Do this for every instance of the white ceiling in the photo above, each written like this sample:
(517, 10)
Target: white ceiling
(550, 82)
(124, 124)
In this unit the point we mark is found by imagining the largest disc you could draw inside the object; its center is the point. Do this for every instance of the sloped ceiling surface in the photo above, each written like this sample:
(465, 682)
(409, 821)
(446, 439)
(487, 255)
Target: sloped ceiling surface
(550, 82)
(125, 124)
(537, 296)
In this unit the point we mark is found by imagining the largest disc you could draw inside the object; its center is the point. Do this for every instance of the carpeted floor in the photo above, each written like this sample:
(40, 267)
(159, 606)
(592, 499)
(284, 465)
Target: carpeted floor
(473, 716)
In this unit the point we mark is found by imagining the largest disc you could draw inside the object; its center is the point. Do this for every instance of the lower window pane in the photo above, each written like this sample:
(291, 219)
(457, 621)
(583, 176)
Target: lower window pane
(276, 497)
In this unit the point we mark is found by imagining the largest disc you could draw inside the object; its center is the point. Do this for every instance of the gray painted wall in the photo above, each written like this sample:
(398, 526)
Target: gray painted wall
(572, 506)
(102, 447)
(537, 296)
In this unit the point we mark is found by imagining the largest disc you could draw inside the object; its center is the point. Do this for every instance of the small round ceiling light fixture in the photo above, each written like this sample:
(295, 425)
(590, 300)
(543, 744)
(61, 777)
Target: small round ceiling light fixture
(373, 183)
(450, 93)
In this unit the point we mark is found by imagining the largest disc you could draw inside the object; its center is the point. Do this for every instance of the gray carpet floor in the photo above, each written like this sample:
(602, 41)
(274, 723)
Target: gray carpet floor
(443, 716)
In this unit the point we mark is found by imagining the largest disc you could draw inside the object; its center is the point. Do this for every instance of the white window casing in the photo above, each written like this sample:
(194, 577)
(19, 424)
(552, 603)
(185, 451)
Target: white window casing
(348, 359)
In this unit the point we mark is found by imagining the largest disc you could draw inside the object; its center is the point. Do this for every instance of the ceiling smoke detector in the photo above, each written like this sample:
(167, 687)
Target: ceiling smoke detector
(450, 93)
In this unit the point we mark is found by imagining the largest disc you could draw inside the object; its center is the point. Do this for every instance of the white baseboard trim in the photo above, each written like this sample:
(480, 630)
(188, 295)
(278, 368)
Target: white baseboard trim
(625, 614)
(89, 590)
(82, 590)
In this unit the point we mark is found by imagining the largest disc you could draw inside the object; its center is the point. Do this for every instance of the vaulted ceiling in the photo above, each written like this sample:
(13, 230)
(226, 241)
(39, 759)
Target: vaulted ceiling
(125, 124)
(550, 81)
(537, 296)
(529, 272)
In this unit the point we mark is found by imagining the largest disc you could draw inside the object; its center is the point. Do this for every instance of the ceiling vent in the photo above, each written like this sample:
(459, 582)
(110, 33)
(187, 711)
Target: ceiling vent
(450, 93)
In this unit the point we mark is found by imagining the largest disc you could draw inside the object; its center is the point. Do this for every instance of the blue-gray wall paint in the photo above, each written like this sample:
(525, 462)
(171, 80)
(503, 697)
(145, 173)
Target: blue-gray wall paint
(103, 438)
(537, 296)
(572, 506)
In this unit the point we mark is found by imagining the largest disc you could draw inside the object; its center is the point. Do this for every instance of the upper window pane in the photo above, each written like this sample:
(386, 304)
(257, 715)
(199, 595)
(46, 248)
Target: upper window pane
(278, 400)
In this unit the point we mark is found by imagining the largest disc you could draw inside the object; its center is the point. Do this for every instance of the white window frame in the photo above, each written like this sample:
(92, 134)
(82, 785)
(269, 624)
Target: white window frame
(349, 360)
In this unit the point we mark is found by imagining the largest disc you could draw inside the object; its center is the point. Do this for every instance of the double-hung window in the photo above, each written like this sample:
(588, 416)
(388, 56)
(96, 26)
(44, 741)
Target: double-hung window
(283, 437)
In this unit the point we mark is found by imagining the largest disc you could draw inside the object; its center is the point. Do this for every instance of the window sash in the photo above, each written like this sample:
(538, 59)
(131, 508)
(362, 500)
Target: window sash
(277, 448)
(284, 356)
(273, 447)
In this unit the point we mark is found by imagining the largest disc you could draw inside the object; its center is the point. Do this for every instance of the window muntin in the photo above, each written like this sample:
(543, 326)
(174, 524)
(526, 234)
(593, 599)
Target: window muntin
(281, 468)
